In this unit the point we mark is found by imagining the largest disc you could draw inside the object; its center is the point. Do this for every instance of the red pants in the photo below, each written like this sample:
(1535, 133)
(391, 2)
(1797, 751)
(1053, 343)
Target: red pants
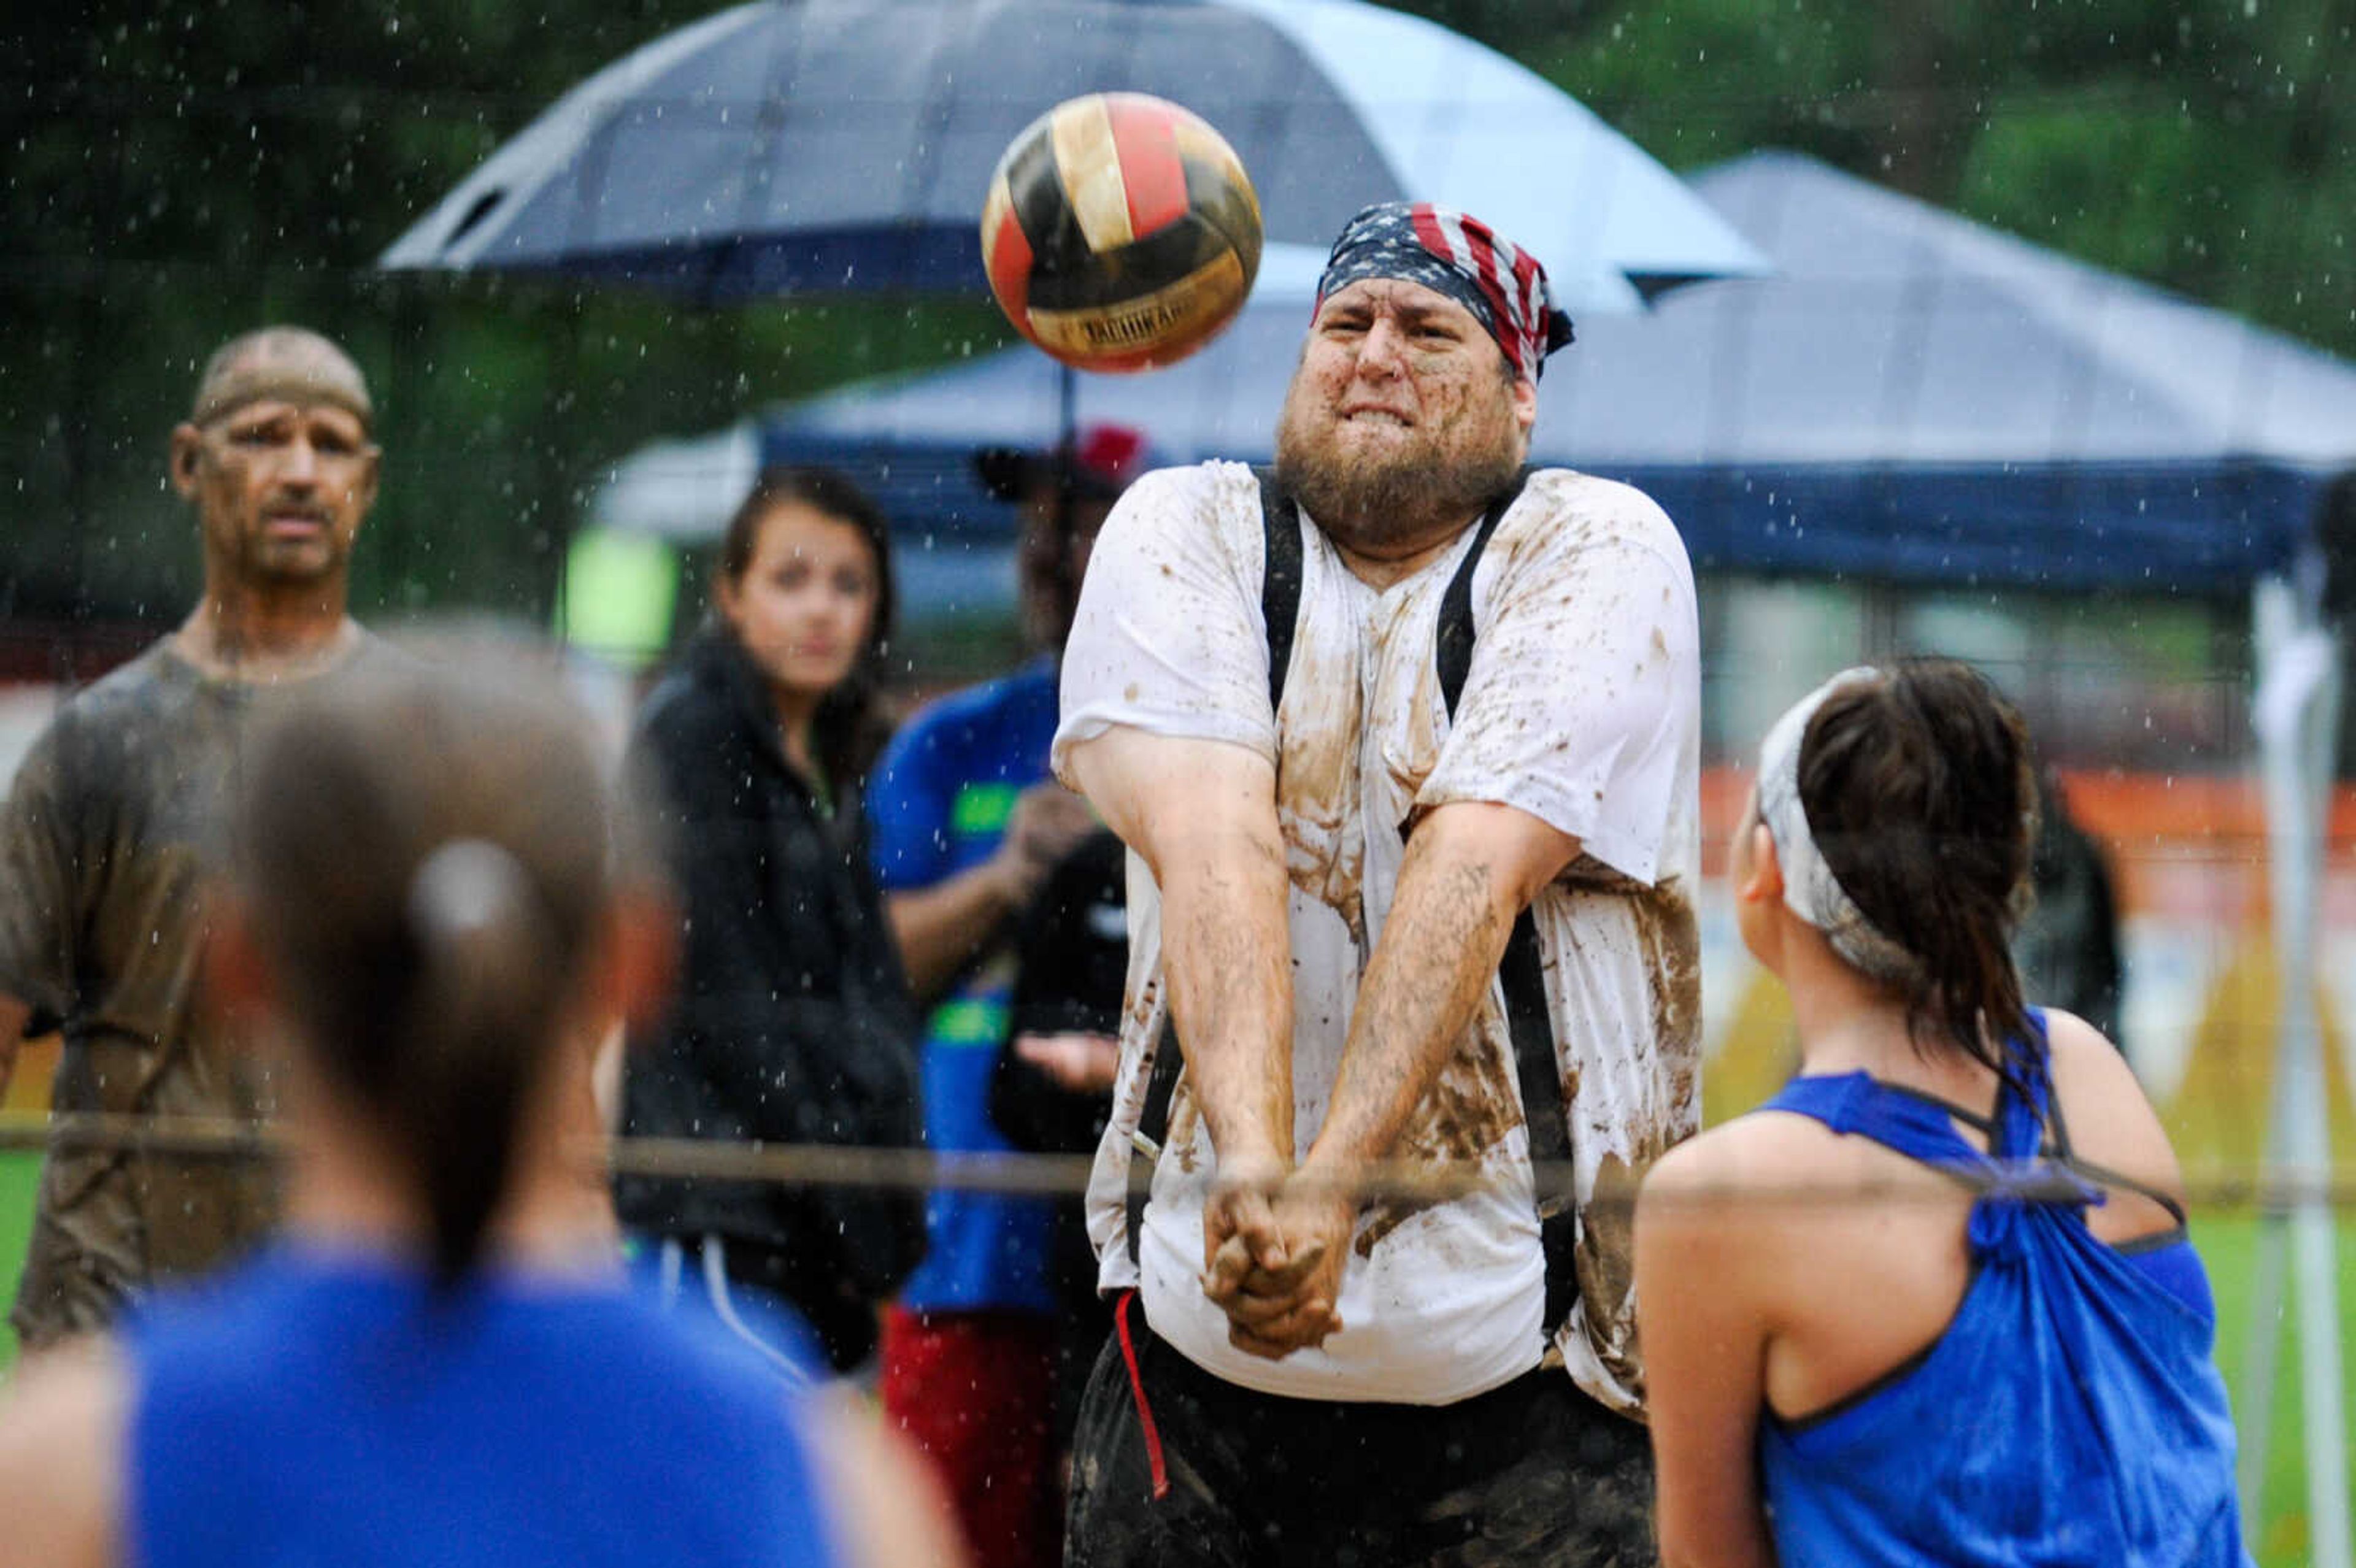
(974, 1391)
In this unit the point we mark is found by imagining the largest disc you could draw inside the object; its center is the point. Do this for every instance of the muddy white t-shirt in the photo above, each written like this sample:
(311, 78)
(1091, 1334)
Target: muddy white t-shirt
(1582, 708)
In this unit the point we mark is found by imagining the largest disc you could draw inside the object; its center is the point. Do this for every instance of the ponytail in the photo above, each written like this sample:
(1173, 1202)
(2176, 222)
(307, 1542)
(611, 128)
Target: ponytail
(1919, 790)
(425, 857)
(485, 978)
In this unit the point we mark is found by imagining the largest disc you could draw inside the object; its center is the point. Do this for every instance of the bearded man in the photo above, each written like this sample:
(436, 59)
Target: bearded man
(115, 818)
(1404, 744)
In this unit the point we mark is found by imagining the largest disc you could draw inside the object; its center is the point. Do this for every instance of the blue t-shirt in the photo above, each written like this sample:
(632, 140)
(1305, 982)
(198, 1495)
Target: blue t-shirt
(314, 1407)
(937, 803)
(2071, 1416)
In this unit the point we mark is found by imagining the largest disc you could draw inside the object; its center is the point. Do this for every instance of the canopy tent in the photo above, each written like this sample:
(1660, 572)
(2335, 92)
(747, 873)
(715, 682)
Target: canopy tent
(1911, 397)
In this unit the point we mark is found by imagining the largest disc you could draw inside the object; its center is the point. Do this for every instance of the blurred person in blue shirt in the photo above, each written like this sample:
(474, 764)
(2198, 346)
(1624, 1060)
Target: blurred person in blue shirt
(968, 830)
(438, 919)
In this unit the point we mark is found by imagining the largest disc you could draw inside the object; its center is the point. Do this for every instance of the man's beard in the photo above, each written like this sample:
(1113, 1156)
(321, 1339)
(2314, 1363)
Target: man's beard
(1403, 495)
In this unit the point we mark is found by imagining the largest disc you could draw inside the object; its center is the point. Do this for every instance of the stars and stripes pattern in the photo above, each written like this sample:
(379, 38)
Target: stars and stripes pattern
(1458, 255)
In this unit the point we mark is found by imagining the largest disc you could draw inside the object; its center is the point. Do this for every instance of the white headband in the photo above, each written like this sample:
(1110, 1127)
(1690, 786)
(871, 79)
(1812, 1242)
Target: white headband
(1810, 888)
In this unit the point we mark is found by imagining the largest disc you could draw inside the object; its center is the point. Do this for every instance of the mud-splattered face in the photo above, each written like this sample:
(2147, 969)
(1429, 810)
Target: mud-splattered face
(280, 486)
(1402, 418)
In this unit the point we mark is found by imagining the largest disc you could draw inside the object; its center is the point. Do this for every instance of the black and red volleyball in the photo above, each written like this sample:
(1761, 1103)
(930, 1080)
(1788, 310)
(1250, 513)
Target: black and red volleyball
(1120, 233)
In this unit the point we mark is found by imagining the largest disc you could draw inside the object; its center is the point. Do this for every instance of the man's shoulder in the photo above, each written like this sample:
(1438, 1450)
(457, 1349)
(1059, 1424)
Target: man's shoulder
(1599, 505)
(1182, 497)
(1212, 479)
(376, 653)
(159, 677)
(1178, 533)
(131, 685)
(1562, 515)
(126, 702)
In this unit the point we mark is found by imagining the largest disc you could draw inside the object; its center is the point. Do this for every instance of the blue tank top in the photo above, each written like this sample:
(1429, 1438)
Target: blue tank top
(2071, 1414)
(311, 1408)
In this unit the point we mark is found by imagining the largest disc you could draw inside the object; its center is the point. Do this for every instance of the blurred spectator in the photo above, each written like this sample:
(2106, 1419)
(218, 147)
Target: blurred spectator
(2068, 948)
(1051, 1091)
(117, 813)
(442, 1360)
(969, 829)
(792, 1023)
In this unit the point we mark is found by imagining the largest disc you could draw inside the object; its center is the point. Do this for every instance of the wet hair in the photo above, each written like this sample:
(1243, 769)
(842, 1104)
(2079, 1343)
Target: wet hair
(850, 725)
(1921, 797)
(424, 853)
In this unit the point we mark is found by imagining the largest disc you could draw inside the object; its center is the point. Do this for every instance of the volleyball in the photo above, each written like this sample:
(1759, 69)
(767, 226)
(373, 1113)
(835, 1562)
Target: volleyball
(1120, 233)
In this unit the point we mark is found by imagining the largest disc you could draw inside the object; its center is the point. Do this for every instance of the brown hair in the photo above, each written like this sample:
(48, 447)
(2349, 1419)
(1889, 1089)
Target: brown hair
(425, 855)
(1923, 800)
(851, 725)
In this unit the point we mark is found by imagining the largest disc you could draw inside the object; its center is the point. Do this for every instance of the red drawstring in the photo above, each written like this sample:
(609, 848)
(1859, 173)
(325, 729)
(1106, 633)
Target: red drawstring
(1137, 1387)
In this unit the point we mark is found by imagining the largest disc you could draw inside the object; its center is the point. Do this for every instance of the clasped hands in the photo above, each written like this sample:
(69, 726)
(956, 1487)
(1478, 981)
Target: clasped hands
(1274, 1242)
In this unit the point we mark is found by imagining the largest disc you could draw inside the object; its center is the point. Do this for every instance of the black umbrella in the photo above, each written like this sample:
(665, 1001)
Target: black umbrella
(796, 145)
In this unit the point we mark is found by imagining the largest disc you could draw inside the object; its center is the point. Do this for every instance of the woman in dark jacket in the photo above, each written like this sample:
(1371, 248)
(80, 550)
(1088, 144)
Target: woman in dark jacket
(793, 1023)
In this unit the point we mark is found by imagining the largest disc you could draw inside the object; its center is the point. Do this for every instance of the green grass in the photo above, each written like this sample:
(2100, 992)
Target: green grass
(2229, 1245)
(19, 1173)
(2228, 1242)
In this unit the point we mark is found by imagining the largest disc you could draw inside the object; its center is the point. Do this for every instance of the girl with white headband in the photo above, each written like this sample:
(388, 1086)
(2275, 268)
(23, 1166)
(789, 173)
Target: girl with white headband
(1934, 1302)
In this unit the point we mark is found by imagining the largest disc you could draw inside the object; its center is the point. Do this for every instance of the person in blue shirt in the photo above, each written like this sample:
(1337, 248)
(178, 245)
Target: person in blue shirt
(967, 826)
(439, 1361)
(1935, 1302)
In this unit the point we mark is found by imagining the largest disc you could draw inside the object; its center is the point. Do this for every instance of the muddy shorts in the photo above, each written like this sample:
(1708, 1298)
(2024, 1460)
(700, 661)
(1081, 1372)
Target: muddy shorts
(1173, 1467)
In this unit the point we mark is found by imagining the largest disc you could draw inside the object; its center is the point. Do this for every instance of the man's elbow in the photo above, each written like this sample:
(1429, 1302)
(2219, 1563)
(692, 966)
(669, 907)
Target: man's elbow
(1518, 854)
(1210, 851)
(1185, 805)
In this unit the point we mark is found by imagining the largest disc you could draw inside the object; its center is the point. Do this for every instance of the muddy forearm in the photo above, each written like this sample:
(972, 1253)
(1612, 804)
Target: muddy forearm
(1228, 958)
(1440, 947)
(1203, 816)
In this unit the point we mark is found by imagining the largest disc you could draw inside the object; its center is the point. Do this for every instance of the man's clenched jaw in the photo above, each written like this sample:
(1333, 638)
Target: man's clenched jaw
(1402, 419)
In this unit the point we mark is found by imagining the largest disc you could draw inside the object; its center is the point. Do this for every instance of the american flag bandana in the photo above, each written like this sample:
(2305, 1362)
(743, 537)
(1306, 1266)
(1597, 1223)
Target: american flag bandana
(1458, 255)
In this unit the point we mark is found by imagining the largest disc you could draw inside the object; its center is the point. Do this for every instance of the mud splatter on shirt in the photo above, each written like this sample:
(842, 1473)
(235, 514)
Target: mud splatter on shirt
(1581, 707)
(112, 828)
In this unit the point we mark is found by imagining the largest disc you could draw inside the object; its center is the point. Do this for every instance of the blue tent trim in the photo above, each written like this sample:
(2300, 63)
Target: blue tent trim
(2198, 529)
(1912, 398)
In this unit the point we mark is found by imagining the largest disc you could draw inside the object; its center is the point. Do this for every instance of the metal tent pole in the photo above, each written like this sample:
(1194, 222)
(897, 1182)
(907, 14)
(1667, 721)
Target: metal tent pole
(2297, 718)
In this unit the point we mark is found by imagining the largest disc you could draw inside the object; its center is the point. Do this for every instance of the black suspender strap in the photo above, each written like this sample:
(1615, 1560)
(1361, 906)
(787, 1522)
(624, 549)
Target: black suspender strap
(1279, 603)
(1279, 581)
(1153, 1126)
(1522, 974)
(1452, 644)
